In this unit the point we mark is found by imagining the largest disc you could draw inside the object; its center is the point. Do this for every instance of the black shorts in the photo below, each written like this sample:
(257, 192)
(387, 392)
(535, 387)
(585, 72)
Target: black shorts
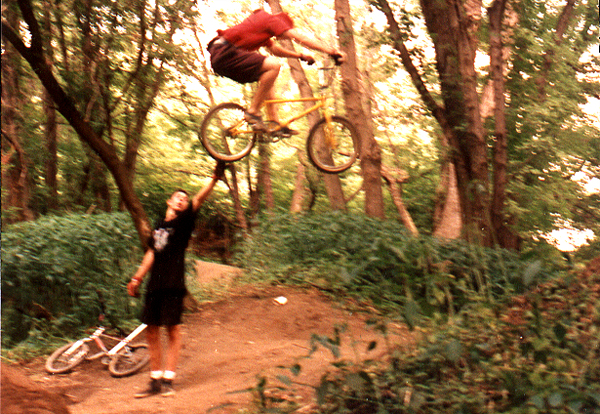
(241, 65)
(163, 307)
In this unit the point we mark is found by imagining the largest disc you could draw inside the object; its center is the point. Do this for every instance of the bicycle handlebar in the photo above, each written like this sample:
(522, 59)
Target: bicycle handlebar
(337, 58)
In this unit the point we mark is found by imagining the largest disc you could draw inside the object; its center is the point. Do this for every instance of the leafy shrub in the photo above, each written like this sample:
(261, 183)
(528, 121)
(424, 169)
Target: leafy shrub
(499, 332)
(539, 354)
(52, 269)
(378, 260)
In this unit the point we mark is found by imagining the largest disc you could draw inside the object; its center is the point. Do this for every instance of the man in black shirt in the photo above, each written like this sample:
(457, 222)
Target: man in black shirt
(165, 260)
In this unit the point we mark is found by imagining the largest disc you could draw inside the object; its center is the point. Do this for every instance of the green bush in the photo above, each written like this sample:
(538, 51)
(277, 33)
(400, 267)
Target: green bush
(498, 331)
(379, 261)
(540, 354)
(52, 269)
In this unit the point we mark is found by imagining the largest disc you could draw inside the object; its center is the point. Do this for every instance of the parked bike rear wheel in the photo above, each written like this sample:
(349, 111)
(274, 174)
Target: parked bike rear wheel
(225, 134)
(333, 146)
(60, 362)
(129, 360)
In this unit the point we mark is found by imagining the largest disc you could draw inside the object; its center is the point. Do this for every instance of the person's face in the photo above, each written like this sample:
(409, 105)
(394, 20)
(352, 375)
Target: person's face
(179, 201)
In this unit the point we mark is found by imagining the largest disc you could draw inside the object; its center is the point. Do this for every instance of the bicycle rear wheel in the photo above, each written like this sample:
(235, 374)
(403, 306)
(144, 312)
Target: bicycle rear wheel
(225, 134)
(129, 360)
(62, 361)
(333, 146)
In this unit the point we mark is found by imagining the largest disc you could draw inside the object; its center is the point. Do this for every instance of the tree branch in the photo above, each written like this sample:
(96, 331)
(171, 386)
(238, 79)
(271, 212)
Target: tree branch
(397, 37)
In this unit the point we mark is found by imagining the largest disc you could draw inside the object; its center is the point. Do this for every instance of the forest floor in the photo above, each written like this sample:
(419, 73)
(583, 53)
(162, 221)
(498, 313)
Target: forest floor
(227, 346)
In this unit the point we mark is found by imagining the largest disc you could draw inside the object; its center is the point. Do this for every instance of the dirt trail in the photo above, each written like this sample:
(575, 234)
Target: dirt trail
(227, 345)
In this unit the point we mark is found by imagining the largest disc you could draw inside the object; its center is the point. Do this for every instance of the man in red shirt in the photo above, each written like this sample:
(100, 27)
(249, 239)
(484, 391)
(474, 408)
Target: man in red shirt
(234, 55)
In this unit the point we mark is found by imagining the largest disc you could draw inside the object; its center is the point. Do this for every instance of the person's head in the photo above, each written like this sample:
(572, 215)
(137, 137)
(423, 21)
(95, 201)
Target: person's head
(179, 200)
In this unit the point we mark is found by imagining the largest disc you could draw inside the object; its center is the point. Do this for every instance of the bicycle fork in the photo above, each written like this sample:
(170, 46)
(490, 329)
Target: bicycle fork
(330, 140)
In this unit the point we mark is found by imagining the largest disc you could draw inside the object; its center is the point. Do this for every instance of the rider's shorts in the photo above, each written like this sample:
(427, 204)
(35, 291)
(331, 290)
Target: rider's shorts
(241, 65)
(163, 307)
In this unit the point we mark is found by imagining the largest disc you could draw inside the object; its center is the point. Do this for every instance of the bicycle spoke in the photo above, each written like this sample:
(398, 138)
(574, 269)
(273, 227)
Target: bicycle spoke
(129, 360)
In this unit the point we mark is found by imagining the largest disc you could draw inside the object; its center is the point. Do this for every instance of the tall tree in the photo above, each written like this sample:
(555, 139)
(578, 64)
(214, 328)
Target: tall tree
(358, 105)
(455, 30)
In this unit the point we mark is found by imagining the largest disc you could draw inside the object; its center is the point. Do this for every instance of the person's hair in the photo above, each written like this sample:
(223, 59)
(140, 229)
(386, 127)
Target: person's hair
(180, 190)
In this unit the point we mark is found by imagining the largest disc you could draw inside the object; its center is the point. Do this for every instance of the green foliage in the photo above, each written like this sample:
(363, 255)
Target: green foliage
(377, 260)
(496, 332)
(538, 355)
(52, 269)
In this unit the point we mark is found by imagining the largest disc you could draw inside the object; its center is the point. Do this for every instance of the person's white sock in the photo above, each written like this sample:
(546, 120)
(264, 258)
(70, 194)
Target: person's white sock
(169, 375)
(156, 375)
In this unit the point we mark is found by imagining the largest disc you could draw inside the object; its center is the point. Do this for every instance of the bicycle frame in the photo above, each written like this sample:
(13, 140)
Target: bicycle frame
(96, 337)
(320, 102)
(127, 340)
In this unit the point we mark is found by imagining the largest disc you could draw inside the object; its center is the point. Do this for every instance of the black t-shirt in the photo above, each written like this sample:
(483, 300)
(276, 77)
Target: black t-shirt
(169, 241)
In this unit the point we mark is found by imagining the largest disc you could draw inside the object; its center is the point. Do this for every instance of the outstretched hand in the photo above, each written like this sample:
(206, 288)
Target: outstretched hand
(220, 170)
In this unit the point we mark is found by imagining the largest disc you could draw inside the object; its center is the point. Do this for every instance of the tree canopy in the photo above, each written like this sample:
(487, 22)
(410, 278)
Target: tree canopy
(483, 115)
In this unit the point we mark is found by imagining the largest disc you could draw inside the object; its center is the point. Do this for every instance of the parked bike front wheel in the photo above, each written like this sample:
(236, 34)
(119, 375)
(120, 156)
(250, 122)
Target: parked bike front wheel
(66, 358)
(225, 134)
(129, 360)
(332, 146)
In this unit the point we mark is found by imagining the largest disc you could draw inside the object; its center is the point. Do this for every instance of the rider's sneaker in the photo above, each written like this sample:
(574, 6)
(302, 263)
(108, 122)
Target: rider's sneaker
(167, 388)
(285, 132)
(255, 121)
(154, 388)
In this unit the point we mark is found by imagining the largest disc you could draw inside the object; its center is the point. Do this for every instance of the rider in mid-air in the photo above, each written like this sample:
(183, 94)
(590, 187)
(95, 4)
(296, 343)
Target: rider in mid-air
(234, 55)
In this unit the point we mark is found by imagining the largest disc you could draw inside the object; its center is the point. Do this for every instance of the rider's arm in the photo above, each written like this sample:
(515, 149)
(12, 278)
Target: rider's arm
(299, 37)
(281, 51)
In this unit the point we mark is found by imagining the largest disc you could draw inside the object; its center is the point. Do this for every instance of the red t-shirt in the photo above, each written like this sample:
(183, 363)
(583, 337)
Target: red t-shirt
(257, 29)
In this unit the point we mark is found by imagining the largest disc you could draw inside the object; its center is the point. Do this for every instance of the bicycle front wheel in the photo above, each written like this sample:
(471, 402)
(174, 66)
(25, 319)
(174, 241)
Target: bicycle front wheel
(225, 134)
(64, 358)
(333, 146)
(129, 360)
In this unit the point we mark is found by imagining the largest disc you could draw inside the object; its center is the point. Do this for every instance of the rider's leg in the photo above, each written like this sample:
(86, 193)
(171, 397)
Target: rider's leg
(153, 338)
(266, 87)
(174, 349)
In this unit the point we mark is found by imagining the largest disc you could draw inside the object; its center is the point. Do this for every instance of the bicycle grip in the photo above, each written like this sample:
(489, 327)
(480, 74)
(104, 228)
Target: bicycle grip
(337, 58)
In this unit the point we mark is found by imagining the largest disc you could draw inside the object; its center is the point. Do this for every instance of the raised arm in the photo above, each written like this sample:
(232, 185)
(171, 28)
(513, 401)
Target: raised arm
(203, 194)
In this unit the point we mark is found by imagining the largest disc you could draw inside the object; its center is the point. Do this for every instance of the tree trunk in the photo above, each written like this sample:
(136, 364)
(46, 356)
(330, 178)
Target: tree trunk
(264, 185)
(438, 113)
(300, 192)
(358, 106)
(448, 222)
(452, 26)
(15, 175)
(394, 181)
(51, 129)
(504, 235)
(235, 195)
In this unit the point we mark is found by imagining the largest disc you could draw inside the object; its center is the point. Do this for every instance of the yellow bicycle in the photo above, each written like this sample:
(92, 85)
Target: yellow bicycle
(332, 144)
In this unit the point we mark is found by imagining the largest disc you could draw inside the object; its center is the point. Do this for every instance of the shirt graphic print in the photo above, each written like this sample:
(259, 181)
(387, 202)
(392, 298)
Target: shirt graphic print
(161, 238)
